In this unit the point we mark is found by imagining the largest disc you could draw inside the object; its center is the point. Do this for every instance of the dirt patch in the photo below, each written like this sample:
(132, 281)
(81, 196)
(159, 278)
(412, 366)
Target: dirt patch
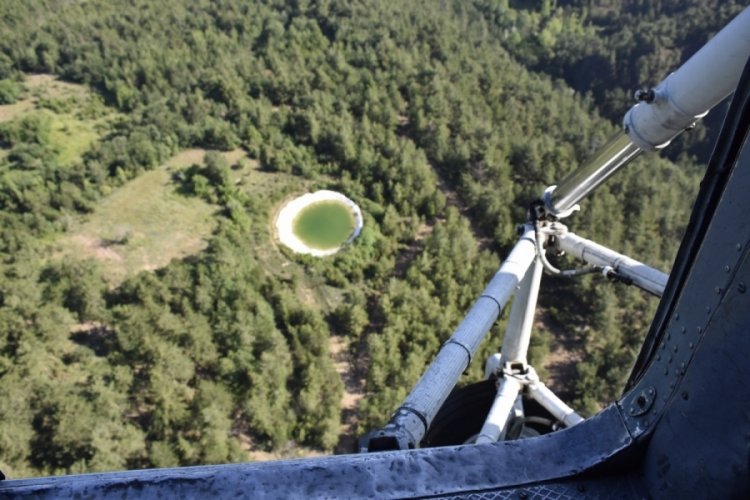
(352, 374)
(97, 248)
(196, 156)
(41, 85)
(289, 451)
(187, 157)
(408, 254)
(566, 350)
(484, 240)
(10, 111)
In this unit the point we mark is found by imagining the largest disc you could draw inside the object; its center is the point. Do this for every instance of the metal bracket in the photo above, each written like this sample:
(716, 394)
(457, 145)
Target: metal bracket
(643, 402)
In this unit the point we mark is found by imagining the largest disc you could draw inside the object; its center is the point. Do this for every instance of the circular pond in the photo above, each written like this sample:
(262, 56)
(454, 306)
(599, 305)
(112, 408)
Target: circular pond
(319, 223)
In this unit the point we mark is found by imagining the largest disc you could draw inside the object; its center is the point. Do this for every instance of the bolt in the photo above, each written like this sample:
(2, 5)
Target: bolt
(741, 287)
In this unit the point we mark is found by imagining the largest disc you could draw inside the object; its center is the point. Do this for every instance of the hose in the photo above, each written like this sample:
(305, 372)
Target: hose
(552, 270)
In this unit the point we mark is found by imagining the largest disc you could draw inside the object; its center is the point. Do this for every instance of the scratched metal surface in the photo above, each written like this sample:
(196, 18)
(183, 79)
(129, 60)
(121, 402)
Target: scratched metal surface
(622, 487)
(424, 472)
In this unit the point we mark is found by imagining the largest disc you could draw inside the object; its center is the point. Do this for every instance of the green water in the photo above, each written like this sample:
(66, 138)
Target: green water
(324, 225)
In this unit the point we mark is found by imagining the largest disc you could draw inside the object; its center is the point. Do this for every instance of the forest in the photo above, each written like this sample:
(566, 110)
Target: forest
(442, 119)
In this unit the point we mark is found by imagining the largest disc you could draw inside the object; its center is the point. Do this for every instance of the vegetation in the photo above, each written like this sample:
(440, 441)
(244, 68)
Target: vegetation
(442, 127)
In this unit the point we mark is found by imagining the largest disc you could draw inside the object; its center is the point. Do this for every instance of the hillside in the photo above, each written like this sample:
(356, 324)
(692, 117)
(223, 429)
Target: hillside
(148, 317)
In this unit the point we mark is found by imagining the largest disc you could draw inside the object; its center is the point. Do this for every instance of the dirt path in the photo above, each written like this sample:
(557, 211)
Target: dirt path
(565, 353)
(452, 198)
(351, 370)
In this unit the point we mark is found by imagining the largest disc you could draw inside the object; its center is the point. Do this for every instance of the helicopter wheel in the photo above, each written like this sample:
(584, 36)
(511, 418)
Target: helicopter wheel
(462, 416)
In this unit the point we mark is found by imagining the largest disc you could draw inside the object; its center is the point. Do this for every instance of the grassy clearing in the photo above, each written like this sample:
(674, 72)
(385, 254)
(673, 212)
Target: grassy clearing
(72, 137)
(140, 226)
(77, 116)
(145, 224)
(10, 111)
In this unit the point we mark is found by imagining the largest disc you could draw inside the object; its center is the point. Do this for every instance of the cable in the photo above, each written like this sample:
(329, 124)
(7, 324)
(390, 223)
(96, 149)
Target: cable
(552, 270)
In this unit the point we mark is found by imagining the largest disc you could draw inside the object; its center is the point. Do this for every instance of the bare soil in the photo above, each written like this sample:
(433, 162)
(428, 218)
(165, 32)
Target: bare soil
(351, 369)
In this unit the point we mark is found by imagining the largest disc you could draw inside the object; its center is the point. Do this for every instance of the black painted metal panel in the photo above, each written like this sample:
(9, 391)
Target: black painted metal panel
(425, 472)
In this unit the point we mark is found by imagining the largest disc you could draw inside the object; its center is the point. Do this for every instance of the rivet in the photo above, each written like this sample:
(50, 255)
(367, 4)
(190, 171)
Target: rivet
(674, 348)
(684, 330)
(651, 391)
(645, 423)
(677, 316)
(741, 287)
(738, 247)
(708, 309)
(663, 345)
(690, 345)
(685, 395)
(658, 357)
(669, 336)
(666, 371)
(717, 289)
(699, 329)
(682, 365)
(669, 360)
(726, 269)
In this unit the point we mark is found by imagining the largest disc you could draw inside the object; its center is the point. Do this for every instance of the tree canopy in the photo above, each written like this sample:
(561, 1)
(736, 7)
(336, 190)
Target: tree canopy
(442, 119)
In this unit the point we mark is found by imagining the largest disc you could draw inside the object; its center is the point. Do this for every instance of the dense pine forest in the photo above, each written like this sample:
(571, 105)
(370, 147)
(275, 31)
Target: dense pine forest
(147, 316)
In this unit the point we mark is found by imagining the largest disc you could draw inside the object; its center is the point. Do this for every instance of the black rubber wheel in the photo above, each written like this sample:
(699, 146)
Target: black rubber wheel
(462, 415)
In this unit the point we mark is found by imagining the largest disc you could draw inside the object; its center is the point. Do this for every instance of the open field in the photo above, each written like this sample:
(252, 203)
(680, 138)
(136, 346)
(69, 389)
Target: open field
(77, 117)
(140, 226)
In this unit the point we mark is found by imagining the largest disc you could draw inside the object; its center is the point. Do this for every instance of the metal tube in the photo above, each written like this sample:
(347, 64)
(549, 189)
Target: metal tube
(410, 422)
(496, 419)
(606, 161)
(641, 275)
(675, 104)
(545, 397)
(686, 95)
(521, 320)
